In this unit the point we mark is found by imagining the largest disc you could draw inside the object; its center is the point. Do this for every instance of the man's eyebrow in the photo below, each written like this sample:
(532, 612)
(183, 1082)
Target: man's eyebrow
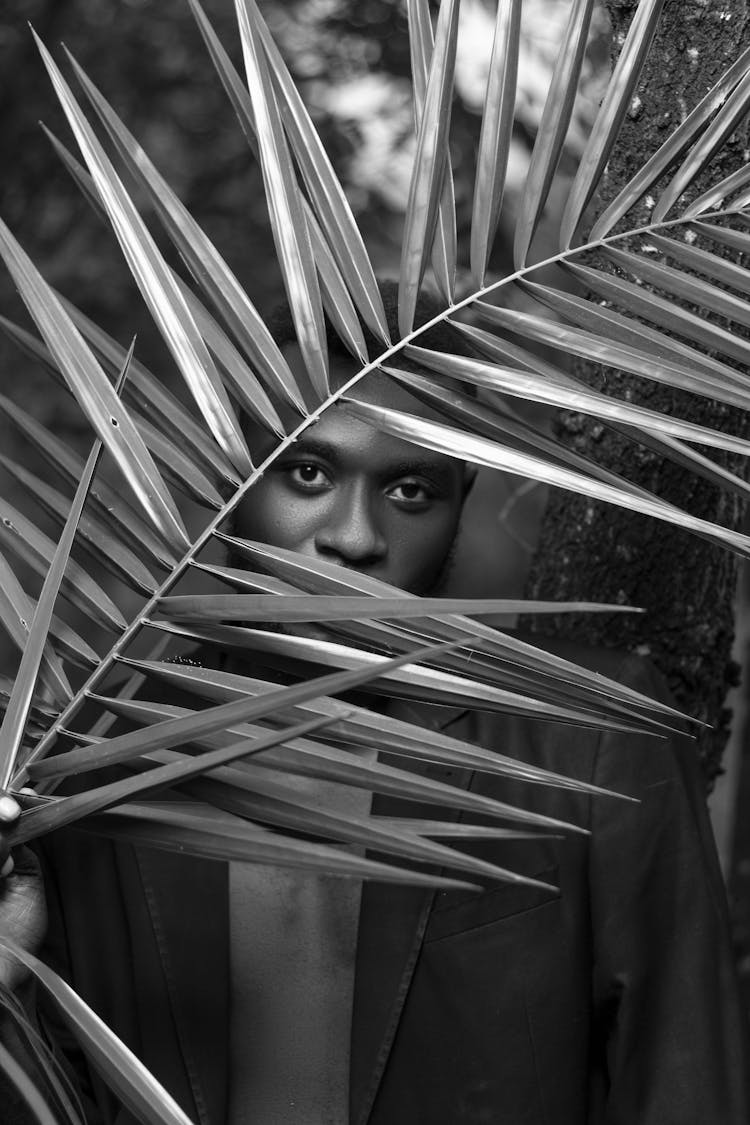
(437, 470)
(314, 447)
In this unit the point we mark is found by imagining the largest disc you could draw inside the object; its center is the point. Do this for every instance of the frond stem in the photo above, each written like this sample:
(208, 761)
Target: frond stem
(205, 536)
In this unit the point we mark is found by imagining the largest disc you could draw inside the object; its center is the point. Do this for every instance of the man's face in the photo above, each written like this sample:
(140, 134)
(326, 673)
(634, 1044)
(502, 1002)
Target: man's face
(352, 495)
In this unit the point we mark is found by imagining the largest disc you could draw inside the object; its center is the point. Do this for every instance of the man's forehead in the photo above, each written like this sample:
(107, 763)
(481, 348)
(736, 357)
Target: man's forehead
(376, 387)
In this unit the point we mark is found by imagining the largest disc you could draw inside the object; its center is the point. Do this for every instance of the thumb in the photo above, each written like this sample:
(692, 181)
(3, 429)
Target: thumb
(10, 811)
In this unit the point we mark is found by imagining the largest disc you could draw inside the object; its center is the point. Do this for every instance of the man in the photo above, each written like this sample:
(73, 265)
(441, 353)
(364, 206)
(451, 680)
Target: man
(257, 995)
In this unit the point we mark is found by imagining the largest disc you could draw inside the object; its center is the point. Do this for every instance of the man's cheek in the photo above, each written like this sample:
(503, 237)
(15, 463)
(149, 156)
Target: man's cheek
(269, 516)
(433, 556)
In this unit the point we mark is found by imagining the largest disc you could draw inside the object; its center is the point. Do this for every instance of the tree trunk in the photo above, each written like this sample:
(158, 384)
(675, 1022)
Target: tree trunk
(685, 585)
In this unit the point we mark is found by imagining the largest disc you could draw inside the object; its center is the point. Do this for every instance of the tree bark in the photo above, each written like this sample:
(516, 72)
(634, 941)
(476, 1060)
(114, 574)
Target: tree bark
(685, 585)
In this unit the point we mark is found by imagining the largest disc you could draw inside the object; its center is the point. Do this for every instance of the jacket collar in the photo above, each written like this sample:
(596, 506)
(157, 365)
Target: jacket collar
(392, 925)
(194, 948)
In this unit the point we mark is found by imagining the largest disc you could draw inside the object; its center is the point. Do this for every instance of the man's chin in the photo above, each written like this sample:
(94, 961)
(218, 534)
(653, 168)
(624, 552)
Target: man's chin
(438, 588)
(318, 631)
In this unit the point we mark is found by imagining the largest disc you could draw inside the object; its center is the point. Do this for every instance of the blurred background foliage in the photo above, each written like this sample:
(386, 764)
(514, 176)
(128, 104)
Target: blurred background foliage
(351, 62)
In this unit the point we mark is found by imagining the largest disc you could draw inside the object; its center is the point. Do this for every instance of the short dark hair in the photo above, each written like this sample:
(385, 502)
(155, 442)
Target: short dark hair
(442, 337)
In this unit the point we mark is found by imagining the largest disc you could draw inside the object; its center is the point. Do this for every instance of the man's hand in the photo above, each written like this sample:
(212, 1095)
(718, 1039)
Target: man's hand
(23, 914)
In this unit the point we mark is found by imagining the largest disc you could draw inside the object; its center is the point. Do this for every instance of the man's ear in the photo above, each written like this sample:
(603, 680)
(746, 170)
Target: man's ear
(470, 475)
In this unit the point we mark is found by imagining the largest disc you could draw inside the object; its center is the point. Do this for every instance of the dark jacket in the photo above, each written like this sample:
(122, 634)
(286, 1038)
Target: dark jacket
(613, 1004)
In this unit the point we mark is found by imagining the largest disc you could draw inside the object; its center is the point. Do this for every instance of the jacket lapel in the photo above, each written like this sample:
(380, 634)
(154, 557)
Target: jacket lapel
(392, 924)
(188, 908)
(188, 905)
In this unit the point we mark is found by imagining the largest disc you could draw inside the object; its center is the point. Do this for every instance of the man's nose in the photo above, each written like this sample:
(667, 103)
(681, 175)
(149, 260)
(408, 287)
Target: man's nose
(351, 531)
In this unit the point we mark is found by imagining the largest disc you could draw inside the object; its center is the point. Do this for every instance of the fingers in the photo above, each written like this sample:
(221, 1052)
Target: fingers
(10, 811)
(23, 921)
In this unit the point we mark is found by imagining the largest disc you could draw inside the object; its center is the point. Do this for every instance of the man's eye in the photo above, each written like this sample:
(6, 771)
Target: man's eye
(410, 492)
(308, 476)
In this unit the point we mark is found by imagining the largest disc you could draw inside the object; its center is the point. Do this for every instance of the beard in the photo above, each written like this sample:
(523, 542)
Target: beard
(319, 630)
(442, 581)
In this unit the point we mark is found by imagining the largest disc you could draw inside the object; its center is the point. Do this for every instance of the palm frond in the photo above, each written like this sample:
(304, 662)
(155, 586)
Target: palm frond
(17, 612)
(285, 203)
(629, 296)
(454, 443)
(205, 263)
(19, 704)
(328, 761)
(155, 281)
(673, 147)
(127, 1076)
(553, 127)
(444, 247)
(430, 162)
(611, 112)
